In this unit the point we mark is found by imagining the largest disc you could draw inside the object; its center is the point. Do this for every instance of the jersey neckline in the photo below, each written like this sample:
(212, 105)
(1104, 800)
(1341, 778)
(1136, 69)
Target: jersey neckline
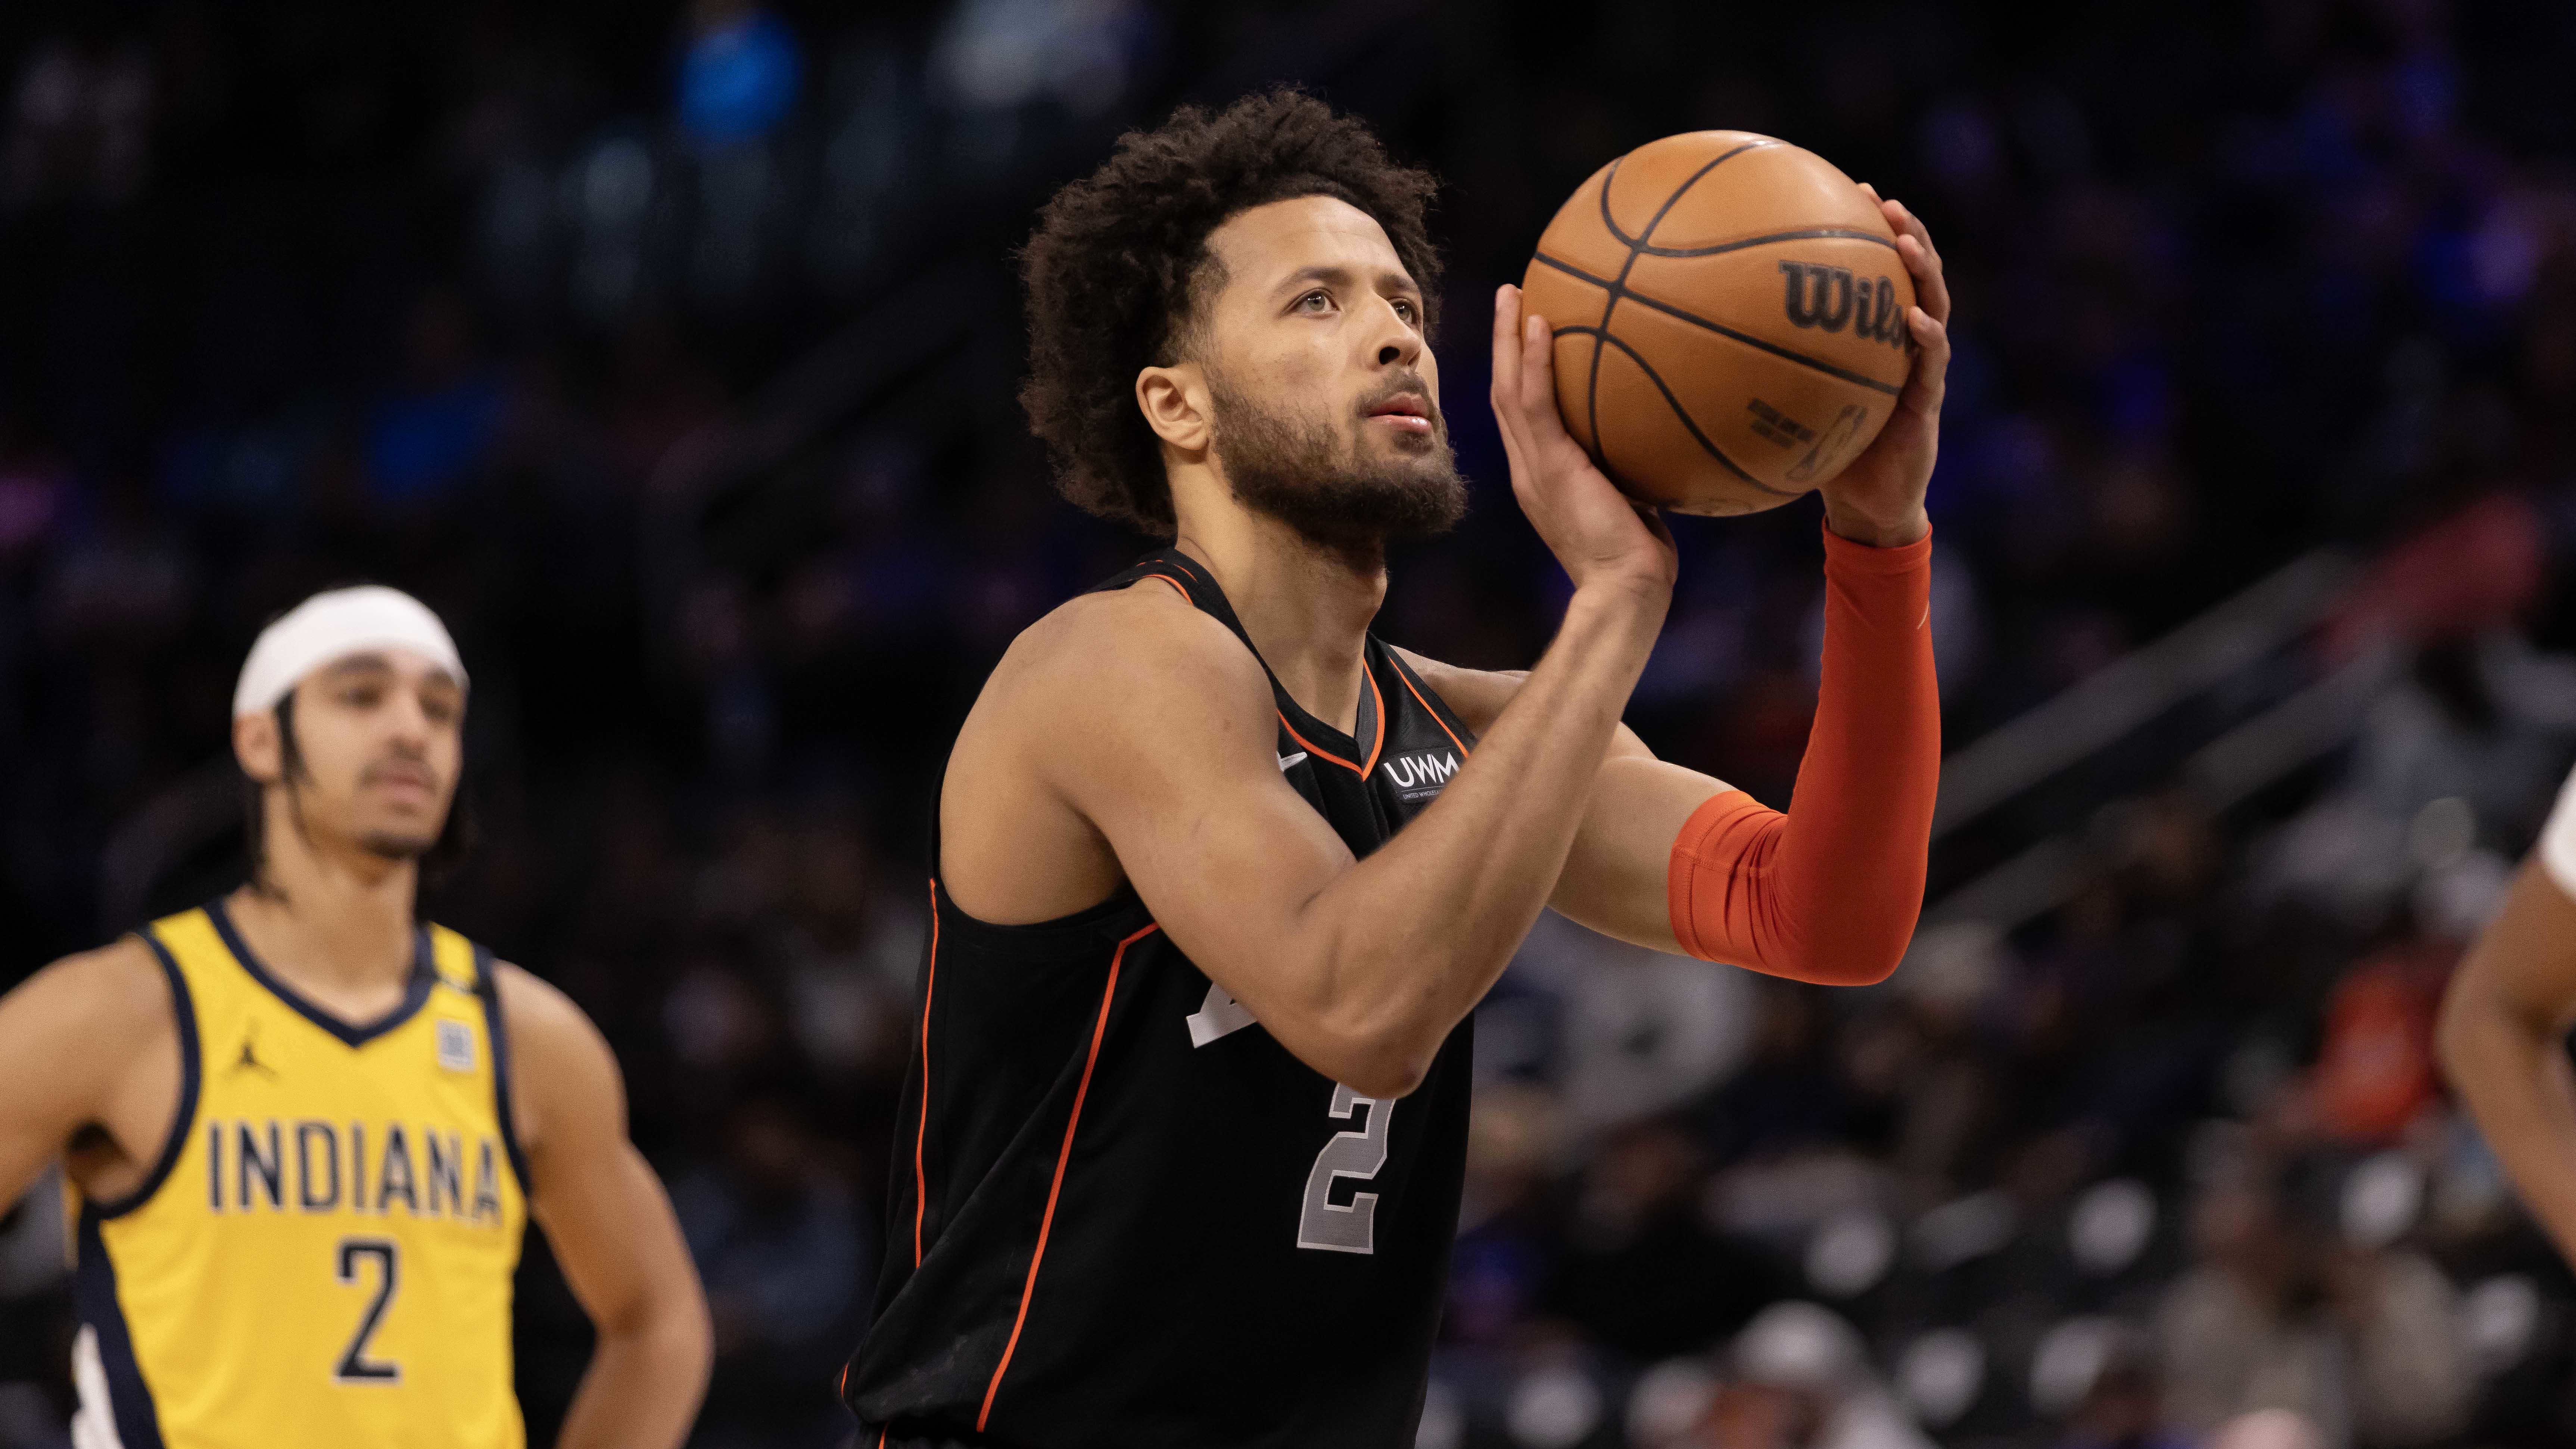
(415, 990)
(1368, 724)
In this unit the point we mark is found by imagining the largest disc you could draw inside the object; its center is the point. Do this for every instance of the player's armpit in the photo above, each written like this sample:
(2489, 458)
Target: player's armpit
(610, 1225)
(90, 1040)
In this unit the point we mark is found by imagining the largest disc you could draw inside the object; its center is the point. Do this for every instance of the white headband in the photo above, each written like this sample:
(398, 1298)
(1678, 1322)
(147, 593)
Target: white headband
(330, 627)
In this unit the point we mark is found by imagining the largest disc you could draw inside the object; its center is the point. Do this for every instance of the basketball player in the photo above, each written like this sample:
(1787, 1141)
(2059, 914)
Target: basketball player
(1218, 875)
(303, 1129)
(2505, 1018)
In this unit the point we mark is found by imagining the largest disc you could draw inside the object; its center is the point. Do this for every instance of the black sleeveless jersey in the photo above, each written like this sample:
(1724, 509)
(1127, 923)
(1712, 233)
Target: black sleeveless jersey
(1122, 1215)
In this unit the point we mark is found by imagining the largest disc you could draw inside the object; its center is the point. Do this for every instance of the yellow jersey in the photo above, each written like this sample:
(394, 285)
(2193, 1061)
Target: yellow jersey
(322, 1254)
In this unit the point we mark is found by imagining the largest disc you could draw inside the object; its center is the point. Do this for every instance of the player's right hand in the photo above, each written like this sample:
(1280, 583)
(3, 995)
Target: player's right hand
(1600, 535)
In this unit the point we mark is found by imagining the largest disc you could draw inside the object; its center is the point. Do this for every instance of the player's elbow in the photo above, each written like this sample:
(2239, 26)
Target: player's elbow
(1862, 957)
(1866, 971)
(1845, 970)
(1376, 1055)
(2467, 1015)
(684, 1342)
(668, 1325)
(1384, 1064)
(1388, 1076)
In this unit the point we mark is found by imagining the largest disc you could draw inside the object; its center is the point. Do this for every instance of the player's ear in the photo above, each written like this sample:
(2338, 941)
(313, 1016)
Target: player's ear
(257, 746)
(1174, 400)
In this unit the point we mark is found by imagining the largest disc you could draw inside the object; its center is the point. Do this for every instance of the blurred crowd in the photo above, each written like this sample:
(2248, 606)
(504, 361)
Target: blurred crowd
(668, 350)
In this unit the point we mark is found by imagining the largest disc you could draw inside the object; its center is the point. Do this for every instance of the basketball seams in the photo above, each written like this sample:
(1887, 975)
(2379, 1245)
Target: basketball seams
(1636, 246)
(1610, 303)
(1610, 175)
(1603, 338)
(1842, 233)
(1775, 349)
(1620, 289)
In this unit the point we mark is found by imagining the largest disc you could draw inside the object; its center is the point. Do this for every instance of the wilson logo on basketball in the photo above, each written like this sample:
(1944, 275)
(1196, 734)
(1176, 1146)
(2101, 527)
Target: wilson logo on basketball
(1831, 298)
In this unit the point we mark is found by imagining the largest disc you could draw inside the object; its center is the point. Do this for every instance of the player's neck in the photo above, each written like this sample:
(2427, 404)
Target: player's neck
(1307, 607)
(333, 921)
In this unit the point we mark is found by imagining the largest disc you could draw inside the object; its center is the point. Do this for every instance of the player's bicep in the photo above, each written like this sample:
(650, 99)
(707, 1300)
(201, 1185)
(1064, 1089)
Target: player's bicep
(604, 1212)
(63, 1034)
(1171, 753)
(1617, 877)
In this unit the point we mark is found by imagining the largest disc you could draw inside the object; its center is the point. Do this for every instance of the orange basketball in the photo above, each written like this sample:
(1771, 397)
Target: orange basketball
(1729, 314)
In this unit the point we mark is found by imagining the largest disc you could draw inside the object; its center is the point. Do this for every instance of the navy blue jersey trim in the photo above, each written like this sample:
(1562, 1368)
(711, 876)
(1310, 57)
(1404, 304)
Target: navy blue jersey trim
(183, 1121)
(487, 985)
(129, 1398)
(415, 991)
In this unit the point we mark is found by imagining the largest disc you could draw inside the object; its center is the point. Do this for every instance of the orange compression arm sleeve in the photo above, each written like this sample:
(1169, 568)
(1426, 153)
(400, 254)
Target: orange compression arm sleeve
(1830, 891)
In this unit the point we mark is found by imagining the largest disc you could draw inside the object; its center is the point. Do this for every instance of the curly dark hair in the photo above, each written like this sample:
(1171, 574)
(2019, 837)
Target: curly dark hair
(1120, 260)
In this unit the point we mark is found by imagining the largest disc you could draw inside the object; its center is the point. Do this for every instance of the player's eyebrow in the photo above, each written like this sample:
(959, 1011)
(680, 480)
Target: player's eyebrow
(1328, 273)
(1333, 274)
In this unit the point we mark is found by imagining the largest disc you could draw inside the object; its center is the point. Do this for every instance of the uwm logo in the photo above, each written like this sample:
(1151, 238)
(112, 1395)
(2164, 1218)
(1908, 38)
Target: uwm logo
(1832, 298)
(1421, 773)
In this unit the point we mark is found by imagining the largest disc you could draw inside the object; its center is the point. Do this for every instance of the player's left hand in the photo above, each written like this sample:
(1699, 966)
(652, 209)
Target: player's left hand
(1878, 500)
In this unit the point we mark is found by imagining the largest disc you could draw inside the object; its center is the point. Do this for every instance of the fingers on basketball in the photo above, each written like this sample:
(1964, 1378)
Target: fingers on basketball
(1538, 381)
(1930, 379)
(1505, 394)
(1922, 260)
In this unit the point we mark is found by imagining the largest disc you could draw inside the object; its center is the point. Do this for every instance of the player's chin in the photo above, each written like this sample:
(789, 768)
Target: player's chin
(405, 841)
(1403, 448)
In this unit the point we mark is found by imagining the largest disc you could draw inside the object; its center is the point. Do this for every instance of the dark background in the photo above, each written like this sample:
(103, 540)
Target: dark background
(669, 352)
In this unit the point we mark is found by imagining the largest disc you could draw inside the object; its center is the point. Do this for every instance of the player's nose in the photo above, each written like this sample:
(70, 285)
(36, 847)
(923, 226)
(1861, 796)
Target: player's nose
(1396, 343)
(408, 718)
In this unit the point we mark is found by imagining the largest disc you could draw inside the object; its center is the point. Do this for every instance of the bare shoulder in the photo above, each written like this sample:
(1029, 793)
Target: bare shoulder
(1145, 636)
(546, 1030)
(91, 1039)
(1084, 684)
(566, 1088)
(103, 1001)
(1476, 696)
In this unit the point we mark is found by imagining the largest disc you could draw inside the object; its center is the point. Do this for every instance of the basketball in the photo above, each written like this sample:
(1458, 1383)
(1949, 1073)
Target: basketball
(1729, 313)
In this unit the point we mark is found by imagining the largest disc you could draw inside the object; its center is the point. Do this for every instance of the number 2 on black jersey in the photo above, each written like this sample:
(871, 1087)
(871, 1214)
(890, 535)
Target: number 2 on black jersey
(354, 1366)
(1323, 1224)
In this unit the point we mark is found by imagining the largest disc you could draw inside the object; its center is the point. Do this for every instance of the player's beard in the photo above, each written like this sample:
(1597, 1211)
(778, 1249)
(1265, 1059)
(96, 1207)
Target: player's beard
(1320, 477)
(388, 845)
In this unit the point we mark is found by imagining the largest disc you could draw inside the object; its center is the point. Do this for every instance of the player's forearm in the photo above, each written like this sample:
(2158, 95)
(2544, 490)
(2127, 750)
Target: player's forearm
(2512, 1073)
(1830, 892)
(645, 1380)
(1407, 941)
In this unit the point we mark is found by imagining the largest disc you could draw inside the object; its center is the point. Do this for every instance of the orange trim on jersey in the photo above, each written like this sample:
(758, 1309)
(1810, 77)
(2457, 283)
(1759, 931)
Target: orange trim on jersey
(920, 1178)
(1313, 749)
(1407, 676)
(1064, 1155)
(1378, 743)
(1176, 588)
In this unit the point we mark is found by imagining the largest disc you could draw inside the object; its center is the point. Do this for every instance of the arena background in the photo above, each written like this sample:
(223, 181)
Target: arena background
(670, 351)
